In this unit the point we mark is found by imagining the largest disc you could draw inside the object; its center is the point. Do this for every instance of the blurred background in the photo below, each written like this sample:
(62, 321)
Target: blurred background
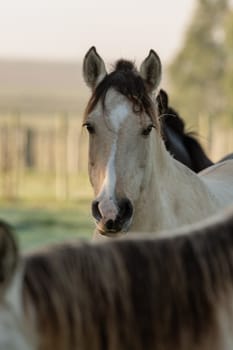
(44, 189)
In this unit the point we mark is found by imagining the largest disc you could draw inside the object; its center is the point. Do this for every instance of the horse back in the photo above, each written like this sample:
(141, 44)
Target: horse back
(219, 178)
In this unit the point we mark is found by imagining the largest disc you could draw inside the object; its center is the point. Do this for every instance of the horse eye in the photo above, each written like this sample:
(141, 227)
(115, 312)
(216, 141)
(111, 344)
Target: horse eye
(90, 128)
(147, 130)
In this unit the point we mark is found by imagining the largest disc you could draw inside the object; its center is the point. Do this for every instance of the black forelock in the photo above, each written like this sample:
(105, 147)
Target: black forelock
(124, 65)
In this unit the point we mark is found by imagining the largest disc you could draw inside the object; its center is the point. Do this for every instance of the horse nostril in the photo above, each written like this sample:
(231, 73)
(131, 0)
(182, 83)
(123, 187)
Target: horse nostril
(125, 209)
(95, 210)
(109, 224)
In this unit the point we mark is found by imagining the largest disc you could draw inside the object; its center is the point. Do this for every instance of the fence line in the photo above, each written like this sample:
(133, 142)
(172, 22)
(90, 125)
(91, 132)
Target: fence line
(40, 145)
(55, 146)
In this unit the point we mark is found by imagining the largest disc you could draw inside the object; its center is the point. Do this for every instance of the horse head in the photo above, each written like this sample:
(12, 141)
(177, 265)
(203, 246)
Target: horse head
(121, 119)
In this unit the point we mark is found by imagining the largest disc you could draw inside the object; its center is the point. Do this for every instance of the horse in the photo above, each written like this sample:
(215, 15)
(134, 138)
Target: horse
(135, 293)
(181, 144)
(138, 185)
(227, 157)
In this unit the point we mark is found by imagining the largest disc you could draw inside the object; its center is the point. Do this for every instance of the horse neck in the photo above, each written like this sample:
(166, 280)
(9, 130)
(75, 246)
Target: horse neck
(172, 195)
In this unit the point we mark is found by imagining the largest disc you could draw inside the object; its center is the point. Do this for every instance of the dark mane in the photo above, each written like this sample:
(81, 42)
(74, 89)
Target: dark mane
(168, 114)
(125, 66)
(132, 294)
(183, 145)
(126, 80)
(9, 256)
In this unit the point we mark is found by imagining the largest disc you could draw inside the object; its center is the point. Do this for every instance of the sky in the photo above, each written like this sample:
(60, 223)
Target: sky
(66, 29)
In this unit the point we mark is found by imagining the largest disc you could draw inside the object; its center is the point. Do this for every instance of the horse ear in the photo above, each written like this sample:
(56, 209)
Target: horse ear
(151, 70)
(9, 256)
(93, 68)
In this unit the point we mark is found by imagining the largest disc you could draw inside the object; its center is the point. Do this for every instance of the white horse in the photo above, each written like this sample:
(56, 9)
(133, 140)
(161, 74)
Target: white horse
(136, 293)
(138, 185)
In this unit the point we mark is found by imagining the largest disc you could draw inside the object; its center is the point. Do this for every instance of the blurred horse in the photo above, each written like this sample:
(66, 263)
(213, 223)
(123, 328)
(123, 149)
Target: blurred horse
(137, 293)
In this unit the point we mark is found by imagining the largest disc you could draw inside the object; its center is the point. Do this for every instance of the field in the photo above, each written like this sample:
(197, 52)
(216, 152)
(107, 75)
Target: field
(39, 219)
(39, 224)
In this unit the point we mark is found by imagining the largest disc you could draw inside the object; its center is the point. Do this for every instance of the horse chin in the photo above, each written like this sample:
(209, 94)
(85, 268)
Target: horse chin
(109, 233)
(113, 233)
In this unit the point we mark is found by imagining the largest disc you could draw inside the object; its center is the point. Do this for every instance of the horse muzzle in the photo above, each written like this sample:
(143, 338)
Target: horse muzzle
(112, 218)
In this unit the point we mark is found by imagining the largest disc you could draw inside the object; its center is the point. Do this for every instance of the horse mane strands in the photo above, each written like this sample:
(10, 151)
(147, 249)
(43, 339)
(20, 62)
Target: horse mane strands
(9, 256)
(134, 293)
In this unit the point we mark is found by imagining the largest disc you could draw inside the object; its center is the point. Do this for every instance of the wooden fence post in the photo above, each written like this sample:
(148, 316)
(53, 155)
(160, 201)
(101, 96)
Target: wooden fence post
(62, 175)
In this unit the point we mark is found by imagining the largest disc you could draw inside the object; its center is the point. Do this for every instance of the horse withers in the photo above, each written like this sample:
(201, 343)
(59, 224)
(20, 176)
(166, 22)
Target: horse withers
(136, 293)
(138, 185)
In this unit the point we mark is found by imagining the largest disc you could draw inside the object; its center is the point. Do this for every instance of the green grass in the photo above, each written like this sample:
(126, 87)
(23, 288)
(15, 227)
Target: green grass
(40, 223)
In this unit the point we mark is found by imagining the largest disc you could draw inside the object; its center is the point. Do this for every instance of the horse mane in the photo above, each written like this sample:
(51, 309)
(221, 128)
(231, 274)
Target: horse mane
(125, 66)
(170, 118)
(168, 114)
(127, 81)
(9, 256)
(133, 293)
(196, 152)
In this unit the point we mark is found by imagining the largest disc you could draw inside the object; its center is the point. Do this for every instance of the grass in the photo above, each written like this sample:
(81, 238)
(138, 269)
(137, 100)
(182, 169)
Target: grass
(39, 224)
(38, 219)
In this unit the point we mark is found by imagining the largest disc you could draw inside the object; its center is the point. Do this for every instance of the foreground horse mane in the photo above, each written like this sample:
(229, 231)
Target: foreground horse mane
(9, 255)
(133, 293)
(126, 80)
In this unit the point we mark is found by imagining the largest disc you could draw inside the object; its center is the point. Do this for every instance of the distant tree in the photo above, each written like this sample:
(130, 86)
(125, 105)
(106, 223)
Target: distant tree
(197, 71)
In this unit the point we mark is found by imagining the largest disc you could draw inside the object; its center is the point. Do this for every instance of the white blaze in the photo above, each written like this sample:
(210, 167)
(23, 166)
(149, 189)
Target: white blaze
(110, 175)
(117, 117)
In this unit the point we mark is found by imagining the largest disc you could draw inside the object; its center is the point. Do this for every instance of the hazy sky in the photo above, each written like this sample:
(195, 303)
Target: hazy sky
(65, 29)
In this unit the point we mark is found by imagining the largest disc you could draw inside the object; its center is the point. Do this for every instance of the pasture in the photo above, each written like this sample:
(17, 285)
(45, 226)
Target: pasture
(39, 219)
(38, 224)
(44, 189)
